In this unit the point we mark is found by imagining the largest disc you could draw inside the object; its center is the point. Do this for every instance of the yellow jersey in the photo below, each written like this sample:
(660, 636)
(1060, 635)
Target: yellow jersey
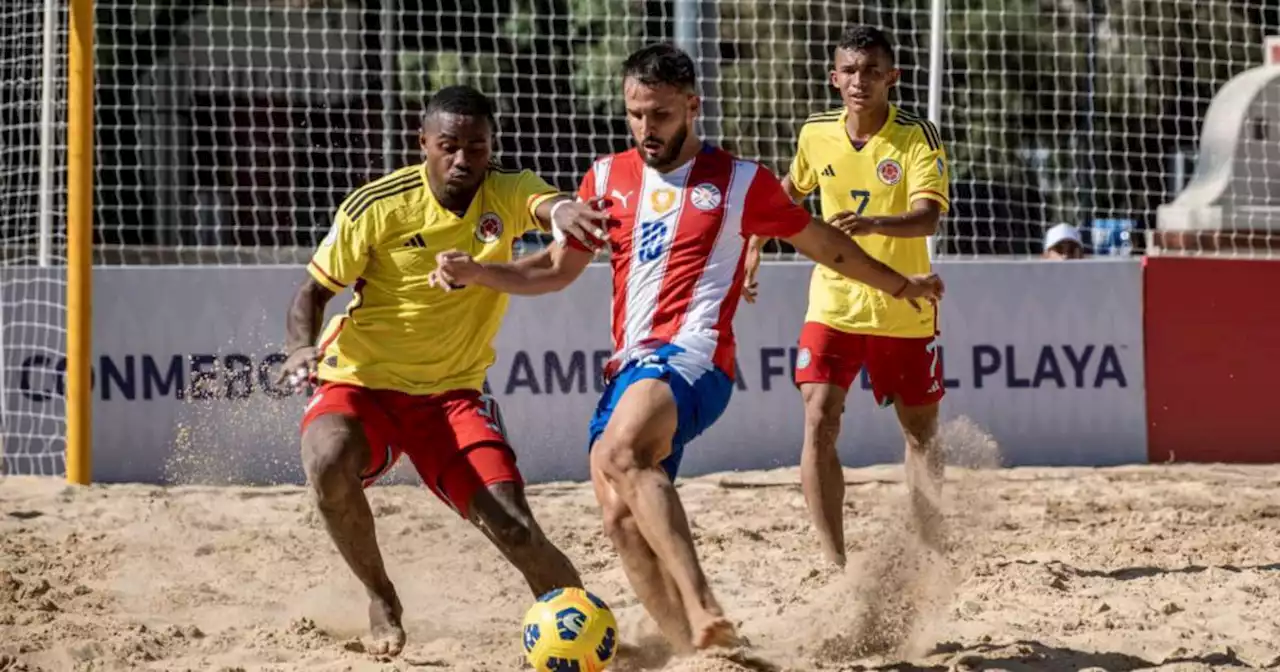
(904, 161)
(398, 332)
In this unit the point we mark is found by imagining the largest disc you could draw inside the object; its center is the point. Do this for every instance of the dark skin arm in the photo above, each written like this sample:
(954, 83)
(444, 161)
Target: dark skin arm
(302, 329)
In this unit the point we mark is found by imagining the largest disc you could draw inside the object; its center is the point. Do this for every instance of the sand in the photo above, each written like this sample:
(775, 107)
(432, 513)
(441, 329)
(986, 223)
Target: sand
(1168, 567)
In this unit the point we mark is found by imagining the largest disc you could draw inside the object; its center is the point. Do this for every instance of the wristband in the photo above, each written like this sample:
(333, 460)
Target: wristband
(555, 207)
(906, 282)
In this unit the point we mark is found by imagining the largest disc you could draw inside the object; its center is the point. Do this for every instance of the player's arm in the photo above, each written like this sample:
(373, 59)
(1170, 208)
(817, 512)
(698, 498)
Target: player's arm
(827, 245)
(921, 221)
(772, 213)
(556, 212)
(339, 261)
(550, 270)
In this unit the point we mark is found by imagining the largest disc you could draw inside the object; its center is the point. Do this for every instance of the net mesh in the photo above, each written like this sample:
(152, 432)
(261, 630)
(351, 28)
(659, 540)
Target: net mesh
(227, 131)
(32, 287)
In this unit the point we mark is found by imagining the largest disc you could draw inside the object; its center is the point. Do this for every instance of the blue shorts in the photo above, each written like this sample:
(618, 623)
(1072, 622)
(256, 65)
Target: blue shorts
(699, 403)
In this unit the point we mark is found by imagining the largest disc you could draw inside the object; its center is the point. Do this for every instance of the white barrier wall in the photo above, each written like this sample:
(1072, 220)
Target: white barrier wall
(1047, 357)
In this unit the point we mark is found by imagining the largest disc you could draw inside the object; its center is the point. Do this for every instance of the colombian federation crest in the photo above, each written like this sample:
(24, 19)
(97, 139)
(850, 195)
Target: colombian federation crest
(890, 171)
(705, 196)
(803, 358)
(489, 228)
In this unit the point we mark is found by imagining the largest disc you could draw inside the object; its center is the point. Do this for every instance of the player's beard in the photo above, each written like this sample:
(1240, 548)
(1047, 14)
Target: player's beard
(670, 152)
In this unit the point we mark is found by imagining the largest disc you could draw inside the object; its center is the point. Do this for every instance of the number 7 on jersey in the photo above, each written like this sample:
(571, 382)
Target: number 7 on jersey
(862, 196)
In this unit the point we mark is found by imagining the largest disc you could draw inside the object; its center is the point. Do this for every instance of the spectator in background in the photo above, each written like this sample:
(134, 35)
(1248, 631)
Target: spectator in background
(1063, 242)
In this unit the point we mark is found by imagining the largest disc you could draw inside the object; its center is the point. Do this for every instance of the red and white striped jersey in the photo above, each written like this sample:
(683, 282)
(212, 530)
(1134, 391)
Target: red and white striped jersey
(678, 244)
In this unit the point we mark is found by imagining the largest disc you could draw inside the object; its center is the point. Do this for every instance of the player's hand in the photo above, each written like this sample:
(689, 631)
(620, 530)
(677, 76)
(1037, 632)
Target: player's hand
(851, 223)
(299, 368)
(927, 287)
(454, 270)
(750, 285)
(583, 221)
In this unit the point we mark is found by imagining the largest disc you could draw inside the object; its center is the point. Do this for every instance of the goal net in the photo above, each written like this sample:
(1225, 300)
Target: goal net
(228, 131)
(32, 199)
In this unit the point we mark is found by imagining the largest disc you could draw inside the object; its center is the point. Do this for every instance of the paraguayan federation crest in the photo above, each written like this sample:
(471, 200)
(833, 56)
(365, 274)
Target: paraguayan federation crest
(705, 196)
(489, 228)
(890, 171)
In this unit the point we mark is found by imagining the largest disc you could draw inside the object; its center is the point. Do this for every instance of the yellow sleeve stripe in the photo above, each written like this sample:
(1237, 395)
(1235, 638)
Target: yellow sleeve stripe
(536, 200)
(932, 196)
(323, 278)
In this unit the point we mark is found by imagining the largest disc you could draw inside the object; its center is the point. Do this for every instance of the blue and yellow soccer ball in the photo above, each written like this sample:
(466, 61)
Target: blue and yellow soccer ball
(570, 630)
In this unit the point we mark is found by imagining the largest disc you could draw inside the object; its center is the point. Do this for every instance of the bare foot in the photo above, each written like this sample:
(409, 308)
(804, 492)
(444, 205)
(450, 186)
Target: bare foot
(386, 634)
(713, 630)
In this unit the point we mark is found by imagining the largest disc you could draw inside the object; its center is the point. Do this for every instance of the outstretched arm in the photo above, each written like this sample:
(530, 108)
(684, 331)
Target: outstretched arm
(550, 270)
(825, 244)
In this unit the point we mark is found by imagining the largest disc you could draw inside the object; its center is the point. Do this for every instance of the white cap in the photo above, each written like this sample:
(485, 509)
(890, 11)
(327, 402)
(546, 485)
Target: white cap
(1059, 233)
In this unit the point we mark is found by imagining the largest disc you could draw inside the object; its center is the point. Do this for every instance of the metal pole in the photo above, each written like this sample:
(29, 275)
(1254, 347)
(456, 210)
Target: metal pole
(1087, 201)
(387, 40)
(44, 243)
(695, 27)
(937, 28)
(79, 242)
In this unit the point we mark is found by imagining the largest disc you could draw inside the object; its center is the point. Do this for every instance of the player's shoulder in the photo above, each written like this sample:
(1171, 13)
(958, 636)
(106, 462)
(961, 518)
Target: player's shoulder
(910, 128)
(823, 123)
(501, 176)
(385, 194)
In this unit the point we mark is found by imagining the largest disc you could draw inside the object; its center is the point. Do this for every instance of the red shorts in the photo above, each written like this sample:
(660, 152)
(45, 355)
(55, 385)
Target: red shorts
(906, 368)
(456, 440)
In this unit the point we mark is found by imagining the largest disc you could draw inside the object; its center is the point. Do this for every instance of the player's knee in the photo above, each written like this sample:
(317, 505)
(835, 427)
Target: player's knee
(515, 533)
(511, 526)
(330, 455)
(617, 460)
(619, 524)
(822, 415)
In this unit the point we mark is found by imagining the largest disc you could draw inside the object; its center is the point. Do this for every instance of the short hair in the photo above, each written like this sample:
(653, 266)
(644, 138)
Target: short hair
(659, 64)
(462, 100)
(866, 38)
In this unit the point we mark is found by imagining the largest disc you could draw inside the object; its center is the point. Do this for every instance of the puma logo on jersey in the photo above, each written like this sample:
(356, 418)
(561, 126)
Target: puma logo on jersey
(829, 171)
(618, 195)
(416, 241)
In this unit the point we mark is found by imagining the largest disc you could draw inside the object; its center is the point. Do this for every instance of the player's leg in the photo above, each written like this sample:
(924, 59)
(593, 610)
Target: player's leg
(908, 371)
(338, 459)
(461, 450)
(501, 511)
(828, 362)
(653, 585)
(629, 458)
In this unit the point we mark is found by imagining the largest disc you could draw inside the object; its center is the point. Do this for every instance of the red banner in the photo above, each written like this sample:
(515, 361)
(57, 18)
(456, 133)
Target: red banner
(1212, 345)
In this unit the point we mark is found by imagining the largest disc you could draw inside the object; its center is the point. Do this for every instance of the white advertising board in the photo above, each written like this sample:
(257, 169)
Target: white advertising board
(1046, 357)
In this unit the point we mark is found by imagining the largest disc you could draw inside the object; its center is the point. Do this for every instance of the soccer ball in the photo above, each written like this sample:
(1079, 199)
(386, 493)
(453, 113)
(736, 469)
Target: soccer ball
(570, 630)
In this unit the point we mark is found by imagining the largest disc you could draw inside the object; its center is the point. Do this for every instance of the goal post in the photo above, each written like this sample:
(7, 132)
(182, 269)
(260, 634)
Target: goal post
(79, 243)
